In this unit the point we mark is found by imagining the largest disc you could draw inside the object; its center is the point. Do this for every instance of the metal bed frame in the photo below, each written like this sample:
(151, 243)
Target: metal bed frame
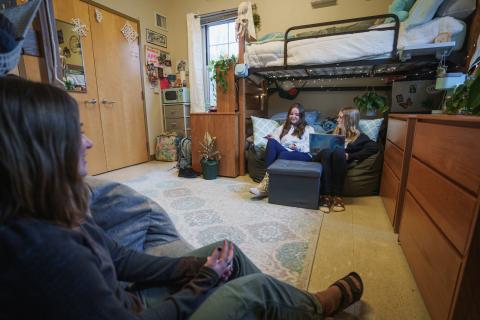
(349, 69)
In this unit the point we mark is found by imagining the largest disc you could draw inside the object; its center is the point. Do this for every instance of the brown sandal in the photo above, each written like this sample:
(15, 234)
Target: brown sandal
(338, 204)
(347, 299)
(325, 204)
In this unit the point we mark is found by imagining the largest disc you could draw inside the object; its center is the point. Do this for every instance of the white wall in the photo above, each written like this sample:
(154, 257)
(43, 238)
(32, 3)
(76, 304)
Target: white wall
(276, 15)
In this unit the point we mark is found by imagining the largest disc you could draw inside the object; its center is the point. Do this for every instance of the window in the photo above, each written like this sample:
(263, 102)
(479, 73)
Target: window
(218, 34)
(220, 42)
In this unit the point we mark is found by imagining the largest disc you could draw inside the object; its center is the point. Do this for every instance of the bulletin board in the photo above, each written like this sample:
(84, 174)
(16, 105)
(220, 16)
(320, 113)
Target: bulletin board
(159, 59)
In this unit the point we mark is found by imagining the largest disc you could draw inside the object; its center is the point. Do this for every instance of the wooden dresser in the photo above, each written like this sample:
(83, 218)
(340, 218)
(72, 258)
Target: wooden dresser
(439, 226)
(398, 148)
(224, 126)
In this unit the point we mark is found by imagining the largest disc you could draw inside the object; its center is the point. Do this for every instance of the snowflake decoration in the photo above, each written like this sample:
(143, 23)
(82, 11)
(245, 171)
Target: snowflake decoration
(79, 28)
(129, 33)
(98, 15)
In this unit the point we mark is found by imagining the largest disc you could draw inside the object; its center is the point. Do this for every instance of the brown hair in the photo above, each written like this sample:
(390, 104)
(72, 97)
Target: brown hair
(300, 127)
(351, 119)
(39, 153)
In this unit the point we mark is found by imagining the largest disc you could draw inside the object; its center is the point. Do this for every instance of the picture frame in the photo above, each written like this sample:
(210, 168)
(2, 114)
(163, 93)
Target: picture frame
(156, 38)
(160, 21)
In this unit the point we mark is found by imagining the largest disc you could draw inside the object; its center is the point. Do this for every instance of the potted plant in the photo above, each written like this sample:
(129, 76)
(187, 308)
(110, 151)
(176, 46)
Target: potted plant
(371, 103)
(223, 74)
(465, 98)
(209, 157)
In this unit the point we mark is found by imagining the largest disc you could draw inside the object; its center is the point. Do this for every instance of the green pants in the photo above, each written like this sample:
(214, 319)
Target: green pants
(249, 294)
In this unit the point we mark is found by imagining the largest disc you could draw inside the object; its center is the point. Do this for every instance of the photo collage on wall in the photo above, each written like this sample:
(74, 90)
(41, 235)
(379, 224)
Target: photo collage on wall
(159, 66)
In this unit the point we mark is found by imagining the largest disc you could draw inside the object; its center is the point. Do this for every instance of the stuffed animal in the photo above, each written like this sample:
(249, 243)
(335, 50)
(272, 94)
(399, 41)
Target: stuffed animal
(400, 8)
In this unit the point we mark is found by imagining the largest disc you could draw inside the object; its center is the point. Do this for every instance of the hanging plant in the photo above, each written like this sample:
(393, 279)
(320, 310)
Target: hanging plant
(473, 101)
(465, 98)
(219, 69)
(256, 18)
(371, 102)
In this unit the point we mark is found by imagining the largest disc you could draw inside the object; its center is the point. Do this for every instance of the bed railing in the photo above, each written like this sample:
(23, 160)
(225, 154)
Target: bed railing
(395, 28)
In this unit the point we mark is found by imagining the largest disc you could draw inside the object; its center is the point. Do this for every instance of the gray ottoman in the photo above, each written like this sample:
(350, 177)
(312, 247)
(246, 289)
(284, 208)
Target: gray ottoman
(294, 183)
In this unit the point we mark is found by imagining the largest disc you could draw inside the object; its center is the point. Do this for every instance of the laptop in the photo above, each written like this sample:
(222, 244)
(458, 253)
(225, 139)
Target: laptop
(320, 141)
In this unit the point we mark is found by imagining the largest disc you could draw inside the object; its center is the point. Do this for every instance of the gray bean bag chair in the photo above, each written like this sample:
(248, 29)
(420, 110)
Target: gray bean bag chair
(134, 220)
(363, 179)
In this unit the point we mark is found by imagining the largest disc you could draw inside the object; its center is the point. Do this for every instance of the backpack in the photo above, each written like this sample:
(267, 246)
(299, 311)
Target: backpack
(184, 156)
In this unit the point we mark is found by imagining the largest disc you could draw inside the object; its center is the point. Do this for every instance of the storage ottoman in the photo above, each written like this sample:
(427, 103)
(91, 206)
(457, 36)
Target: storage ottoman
(294, 183)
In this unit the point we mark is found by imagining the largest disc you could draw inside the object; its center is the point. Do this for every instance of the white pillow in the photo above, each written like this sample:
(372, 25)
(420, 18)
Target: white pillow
(459, 9)
(422, 12)
(261, 128)
(371, 127)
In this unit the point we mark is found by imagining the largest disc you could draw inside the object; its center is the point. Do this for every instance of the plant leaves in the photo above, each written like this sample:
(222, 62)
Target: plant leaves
(473, 101)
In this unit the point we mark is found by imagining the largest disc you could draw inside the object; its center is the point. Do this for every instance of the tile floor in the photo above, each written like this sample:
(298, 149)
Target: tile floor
(361, 239)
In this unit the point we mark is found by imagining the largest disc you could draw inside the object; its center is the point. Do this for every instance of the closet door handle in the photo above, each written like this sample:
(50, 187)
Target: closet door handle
(105, 101)
(91, 101)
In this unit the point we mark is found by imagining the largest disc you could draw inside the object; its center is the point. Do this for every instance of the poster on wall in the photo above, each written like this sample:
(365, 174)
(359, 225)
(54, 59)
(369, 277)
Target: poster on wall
(151, 56)
(159, 64)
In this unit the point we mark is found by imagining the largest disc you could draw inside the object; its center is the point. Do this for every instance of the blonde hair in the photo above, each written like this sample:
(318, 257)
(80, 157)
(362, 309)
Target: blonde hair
(351, 119)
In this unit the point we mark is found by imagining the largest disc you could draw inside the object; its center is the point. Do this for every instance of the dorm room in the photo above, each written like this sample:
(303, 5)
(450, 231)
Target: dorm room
(411, 224)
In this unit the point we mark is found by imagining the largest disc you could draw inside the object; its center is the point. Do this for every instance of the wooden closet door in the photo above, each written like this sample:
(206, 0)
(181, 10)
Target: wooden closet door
(117, 65)
(65, 10)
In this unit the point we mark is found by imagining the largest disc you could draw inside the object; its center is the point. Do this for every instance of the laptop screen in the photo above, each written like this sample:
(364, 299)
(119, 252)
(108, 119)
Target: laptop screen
(320, 141)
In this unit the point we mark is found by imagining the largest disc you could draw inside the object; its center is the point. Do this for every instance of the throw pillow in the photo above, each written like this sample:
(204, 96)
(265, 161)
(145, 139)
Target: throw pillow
(261, 128)
(422, 12)
(459, 9)
(371, 127)
(400, 8)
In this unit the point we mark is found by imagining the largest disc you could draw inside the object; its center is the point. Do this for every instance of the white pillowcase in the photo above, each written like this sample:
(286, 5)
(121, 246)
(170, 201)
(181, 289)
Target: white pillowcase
(371, 127)
(261, 128)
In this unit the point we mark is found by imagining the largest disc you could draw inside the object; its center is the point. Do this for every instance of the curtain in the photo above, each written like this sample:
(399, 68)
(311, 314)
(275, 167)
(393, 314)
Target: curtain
(195, 64)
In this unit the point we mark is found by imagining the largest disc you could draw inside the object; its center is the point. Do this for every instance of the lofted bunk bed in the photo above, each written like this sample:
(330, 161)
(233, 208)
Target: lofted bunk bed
(371, 47)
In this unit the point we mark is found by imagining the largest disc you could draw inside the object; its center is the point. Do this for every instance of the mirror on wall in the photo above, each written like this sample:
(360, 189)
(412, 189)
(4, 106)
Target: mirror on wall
(71, 58)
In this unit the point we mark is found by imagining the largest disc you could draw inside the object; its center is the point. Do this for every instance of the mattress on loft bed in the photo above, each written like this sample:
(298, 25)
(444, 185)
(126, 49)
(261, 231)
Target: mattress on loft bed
(374, 44)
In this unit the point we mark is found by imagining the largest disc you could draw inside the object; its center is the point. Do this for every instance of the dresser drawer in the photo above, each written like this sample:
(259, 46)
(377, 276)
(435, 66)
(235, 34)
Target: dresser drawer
(389, 191)
(397, 132)
(176, 111)
(451, 150)
(177, 124)
(433, 261)
(394, 158)
(449, 206)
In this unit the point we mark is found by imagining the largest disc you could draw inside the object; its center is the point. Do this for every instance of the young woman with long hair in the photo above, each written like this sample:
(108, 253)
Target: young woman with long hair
(290, 141)
(358, 146)
(61, 265)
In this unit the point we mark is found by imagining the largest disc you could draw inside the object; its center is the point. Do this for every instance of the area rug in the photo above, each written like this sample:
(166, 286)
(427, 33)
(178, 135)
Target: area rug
(280, 240)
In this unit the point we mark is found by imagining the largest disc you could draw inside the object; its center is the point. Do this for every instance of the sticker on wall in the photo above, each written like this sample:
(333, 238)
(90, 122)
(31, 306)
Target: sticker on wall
(98, 15)
(79, 28)
(129, 33)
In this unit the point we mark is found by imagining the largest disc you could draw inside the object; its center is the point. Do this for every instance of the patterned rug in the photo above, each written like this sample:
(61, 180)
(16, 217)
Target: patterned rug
(280, 240)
